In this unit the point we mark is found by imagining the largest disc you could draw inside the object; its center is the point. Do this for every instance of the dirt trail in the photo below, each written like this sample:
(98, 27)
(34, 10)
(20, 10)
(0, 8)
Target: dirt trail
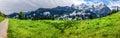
(4, 28)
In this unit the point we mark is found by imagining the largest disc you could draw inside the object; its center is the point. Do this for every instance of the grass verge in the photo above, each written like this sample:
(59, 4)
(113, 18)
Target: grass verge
(1, 18)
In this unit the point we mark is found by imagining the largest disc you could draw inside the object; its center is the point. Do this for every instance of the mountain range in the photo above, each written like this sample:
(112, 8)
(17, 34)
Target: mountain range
(73, 12)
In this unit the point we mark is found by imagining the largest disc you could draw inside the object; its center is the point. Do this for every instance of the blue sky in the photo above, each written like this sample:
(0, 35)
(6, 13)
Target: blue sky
(104, 1)
(8, 6)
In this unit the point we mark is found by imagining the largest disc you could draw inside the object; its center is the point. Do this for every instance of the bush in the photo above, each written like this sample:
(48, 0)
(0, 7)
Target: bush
(64, 25)
(2, 15)
(21, 16)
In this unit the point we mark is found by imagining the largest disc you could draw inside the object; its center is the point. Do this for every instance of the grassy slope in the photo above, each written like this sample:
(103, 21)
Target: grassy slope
(1, 18)
(106, 27)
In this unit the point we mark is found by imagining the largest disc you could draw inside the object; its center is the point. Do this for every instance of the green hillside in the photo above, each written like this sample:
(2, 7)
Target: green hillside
(105, 27)
(1, 18)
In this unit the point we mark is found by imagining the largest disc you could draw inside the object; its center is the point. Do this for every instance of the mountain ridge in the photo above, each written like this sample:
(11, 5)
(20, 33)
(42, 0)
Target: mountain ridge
(82, 11)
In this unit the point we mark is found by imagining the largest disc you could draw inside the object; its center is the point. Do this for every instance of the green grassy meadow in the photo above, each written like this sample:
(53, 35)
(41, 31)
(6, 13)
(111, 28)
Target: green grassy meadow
(105, 27)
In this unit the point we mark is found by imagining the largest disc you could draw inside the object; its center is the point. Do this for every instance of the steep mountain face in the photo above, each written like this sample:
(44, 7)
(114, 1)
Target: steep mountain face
(75, 12)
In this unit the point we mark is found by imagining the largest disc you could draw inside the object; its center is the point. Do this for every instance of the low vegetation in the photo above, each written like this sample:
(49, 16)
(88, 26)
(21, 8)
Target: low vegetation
(1, 16)
(105, 27)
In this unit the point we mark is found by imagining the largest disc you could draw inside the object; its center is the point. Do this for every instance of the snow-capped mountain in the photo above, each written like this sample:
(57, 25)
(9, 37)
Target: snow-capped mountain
(74, 12)
(87, 11)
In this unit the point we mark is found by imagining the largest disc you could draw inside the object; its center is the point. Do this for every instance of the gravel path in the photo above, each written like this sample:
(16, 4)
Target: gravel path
(4, 28)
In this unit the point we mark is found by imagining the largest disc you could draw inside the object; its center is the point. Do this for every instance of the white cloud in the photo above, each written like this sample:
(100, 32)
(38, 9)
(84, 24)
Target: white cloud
(77, 2)
(114, 3)
(9, 6)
